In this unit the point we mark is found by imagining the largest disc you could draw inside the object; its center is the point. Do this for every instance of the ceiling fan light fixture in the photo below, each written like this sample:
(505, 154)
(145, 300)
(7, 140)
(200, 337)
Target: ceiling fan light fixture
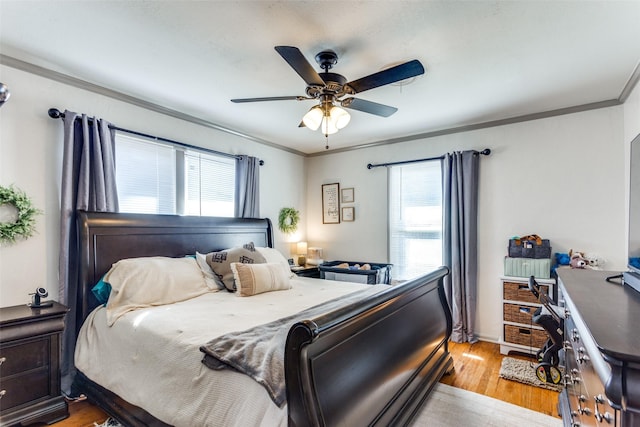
(339, 116)
(328, 126)
(313, 118)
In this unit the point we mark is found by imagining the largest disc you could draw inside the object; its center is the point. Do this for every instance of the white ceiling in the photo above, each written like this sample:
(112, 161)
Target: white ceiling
(484, 60)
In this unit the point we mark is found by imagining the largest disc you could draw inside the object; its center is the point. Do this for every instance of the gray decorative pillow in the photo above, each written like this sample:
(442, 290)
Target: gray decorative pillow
(220, 262)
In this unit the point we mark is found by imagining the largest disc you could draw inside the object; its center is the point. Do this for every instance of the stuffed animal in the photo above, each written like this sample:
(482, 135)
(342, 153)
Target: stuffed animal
(577, 260)
(595, 262)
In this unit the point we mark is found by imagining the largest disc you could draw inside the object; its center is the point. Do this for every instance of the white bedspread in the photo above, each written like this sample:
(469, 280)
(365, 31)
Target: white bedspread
(151, 358)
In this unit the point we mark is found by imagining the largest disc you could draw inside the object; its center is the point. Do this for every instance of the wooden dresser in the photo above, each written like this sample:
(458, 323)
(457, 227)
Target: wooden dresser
(30, 365)
(602, 350)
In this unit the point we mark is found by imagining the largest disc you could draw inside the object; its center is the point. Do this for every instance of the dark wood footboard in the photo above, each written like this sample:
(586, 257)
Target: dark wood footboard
(373, 362)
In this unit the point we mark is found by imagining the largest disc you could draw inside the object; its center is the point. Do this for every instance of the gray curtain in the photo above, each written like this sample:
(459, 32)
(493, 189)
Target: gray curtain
(247, 198)
(88, 183)
(460, 242)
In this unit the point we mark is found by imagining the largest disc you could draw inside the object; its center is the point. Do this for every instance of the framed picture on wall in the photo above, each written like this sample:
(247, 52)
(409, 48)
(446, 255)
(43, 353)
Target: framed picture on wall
(331, 203)
(347, 195)
(348, 214)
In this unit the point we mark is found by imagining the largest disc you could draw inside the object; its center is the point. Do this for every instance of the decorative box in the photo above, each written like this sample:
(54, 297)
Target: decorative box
(527, 267)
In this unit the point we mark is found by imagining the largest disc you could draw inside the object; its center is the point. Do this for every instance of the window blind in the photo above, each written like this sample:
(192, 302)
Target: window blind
(415, 218)
(160, 178)
(210, 185)
(145, 176)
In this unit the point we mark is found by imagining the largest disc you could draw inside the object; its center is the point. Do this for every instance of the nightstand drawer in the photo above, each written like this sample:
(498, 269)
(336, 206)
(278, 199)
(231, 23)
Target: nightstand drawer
(23, 357)
(24, 388)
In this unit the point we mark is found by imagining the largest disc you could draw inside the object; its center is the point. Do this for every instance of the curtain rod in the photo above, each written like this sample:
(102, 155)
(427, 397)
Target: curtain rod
(54, 113)
(484, 152)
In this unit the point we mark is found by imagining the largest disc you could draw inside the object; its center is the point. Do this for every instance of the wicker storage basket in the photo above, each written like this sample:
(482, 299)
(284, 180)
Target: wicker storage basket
(518, 313)
(520, 292)
(524, 336)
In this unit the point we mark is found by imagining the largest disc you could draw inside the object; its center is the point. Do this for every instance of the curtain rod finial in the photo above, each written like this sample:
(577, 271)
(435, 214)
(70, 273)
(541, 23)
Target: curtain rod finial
(54, 113)
(486, 152)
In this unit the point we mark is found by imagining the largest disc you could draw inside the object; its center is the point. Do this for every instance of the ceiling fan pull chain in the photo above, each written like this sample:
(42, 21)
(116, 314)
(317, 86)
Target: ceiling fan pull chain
(327, 138)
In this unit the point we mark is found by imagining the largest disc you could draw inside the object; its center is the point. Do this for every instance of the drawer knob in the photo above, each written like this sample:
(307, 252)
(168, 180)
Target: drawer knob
(575, 335)
(2, 360)
(2, 393)
(599, 415)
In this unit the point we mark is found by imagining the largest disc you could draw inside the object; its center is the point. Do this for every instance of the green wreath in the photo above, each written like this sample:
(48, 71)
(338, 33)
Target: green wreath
(288, 220)
(25, 224)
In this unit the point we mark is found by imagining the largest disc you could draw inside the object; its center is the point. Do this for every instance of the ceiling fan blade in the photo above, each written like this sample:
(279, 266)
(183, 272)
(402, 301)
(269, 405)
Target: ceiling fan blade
(368, 107)
(385, 77)
(299, 63)
(270, 98)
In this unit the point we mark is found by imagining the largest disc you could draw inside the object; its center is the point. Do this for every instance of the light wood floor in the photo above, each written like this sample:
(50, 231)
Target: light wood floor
(476, 368)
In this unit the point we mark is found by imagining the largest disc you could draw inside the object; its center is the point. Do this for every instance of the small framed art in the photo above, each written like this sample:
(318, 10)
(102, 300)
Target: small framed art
(331, 203)
(347, 195)
(348, 214)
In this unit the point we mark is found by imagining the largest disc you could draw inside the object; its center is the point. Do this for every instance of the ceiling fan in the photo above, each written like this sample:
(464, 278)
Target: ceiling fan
(332, 88)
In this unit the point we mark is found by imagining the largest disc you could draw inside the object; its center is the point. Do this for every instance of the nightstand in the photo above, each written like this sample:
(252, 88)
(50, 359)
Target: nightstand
(307, 271)
(30, 342)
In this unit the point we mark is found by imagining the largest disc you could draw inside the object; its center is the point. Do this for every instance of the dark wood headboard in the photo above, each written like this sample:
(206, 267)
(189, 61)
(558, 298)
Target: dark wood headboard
(106, 238)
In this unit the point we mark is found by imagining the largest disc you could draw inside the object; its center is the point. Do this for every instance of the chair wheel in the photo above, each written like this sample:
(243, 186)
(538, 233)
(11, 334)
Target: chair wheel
(548, 373)
(555, 374)
(541, 372)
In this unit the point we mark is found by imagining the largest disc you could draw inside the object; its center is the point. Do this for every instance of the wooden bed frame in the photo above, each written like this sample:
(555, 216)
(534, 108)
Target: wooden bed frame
(373, 362)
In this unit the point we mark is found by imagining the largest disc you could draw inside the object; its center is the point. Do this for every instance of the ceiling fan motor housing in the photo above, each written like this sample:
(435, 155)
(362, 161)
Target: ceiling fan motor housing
(327, 59)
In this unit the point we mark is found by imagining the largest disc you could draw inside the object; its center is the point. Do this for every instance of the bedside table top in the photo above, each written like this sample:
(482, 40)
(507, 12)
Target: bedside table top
(307, 271)
(24, 313)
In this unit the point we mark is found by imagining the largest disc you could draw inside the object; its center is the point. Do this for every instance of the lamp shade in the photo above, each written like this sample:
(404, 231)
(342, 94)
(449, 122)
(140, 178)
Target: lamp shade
(302, 248)
(313, 118)
(339, 117)
(328, 126)
(328, 117)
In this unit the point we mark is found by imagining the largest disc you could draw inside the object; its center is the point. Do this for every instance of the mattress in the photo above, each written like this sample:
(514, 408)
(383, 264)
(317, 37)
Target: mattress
(150, 357)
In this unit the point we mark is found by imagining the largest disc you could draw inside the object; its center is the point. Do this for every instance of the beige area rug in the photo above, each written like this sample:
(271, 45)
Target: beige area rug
(449, 406)
(524, 371)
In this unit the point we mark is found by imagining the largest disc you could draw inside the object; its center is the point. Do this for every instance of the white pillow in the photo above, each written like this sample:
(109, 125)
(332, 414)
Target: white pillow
(253, 279)
(272, 255)
(151, 281)
(212, 280)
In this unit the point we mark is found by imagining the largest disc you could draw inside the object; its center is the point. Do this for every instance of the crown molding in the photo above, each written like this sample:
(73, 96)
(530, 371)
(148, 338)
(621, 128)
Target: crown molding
(83, 84)
(101, 90)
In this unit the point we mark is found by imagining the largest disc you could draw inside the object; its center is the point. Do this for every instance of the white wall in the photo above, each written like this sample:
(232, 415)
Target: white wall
(561, 177)
(30, 158)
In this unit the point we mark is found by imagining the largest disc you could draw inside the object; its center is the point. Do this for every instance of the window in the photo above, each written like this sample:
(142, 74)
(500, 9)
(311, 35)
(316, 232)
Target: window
(210, 184)
(415, 218)
(157, 178)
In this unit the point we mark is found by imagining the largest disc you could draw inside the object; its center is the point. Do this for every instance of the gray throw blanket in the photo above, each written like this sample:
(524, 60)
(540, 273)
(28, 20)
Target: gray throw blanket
(259, 352)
